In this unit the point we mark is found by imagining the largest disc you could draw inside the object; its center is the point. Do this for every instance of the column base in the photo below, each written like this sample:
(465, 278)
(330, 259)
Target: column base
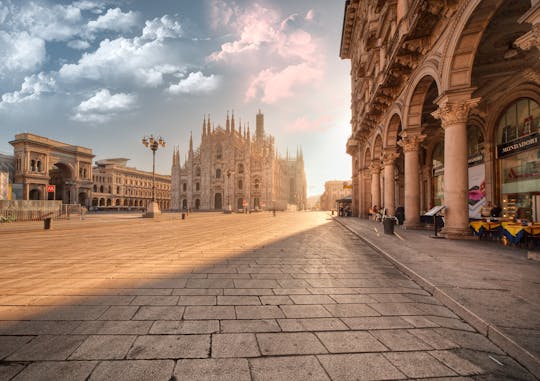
(152, 210)
(456, 233)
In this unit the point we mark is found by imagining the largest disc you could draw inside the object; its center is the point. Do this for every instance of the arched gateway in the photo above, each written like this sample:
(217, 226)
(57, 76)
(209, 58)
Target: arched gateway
(40, 161)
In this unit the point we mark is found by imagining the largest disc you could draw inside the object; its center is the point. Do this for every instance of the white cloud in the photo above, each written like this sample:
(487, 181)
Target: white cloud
(50, 23)
(142, 60)
(103, 106)
(20, 52)
(195, 82)
(161, 28)
(114, 20)
(277, 84)
(32, 87)
(78, 44)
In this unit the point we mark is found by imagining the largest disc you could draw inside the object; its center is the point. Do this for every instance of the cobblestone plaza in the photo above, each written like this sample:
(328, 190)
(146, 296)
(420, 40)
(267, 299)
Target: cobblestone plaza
(223, 297)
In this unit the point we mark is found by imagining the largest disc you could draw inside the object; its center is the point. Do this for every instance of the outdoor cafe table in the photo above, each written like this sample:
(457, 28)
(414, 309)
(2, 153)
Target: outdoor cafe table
(516, 232)
(480, 227)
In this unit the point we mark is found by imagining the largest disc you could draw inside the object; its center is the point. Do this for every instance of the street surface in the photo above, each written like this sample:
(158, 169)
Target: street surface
(223, 297)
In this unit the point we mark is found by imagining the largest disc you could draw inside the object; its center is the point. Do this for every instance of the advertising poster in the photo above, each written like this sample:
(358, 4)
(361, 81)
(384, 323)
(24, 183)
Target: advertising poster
(477, 189)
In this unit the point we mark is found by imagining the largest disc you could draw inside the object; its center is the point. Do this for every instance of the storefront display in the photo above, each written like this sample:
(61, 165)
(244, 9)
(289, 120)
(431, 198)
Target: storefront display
(518, 152)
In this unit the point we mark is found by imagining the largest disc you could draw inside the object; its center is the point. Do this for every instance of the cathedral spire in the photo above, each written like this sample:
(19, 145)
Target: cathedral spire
(233, 127)
(191, 143)
(204, 126)
(208, 125)
(227, 123)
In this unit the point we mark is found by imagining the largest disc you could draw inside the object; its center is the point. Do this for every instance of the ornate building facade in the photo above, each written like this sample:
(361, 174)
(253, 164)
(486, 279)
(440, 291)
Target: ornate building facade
(119, 187)
(445, 107)
(335, 190)
(231, 170)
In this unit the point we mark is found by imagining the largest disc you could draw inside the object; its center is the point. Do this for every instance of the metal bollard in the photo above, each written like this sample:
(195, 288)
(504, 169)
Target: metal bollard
(47, 222)
(183, 216)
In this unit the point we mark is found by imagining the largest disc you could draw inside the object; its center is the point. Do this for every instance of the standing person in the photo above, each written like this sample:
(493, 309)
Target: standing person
(496, 211)
(375, 211)
(400, 214)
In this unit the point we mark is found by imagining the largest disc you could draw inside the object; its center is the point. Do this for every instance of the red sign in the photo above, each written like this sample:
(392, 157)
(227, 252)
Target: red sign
(263, 204)
(244, 202)
(51, 188)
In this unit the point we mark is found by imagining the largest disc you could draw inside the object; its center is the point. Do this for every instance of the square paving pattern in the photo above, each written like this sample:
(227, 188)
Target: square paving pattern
(223, 297)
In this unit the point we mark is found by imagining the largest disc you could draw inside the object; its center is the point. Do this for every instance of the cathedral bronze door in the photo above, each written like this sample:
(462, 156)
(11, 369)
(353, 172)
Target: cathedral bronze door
(218, 204)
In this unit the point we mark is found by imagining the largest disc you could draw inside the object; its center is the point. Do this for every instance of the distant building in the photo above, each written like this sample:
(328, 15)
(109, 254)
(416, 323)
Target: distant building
(233, 170)
(41, 161)
(335, 190)
(119, 187)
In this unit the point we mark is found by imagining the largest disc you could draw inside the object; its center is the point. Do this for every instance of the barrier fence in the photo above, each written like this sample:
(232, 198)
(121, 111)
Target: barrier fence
(36, 210)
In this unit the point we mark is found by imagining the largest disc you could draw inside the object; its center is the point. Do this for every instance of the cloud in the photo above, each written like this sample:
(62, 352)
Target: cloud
(114, 20)
(50, 23)
(32, 87)
(78, 44)
(103, 106)
(277, 84)
(161, 28)
(195, 82)
(20, 52)
(142, 60)
(287, 54)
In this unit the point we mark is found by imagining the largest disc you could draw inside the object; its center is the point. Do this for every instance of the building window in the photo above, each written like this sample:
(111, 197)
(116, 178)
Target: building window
(118, 190)
(257, 182)
(218, 173)
(95, 188)
(520, 118)
(197, 187)
(101, 189)
(219, 152)
(240, 168)
(184, 187)
(198, 171)
(240, 184)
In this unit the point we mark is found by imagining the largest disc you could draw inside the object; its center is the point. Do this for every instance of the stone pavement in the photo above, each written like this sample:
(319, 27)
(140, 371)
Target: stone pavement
(224, 297)
(494, 287)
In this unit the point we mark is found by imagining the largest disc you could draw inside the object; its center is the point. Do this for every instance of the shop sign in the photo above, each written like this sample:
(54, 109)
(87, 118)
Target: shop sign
(518, 145)
(475, 159)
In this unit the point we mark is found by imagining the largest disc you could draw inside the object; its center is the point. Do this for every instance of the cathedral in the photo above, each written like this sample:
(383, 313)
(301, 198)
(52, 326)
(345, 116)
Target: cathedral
(233, 171)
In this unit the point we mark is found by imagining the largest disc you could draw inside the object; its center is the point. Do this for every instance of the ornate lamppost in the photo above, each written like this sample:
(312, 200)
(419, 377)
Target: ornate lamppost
(153, 143)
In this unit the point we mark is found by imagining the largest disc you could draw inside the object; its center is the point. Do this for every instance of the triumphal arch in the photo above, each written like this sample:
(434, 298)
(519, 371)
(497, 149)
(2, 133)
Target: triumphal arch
(40, 161)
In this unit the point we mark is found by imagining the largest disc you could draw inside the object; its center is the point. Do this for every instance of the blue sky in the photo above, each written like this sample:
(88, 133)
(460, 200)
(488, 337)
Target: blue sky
(102, 74)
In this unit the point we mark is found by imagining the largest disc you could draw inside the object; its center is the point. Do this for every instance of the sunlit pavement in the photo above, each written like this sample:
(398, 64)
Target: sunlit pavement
(223, 297)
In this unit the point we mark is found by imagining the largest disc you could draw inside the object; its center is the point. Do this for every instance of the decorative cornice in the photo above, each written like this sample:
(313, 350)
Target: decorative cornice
(375, 167)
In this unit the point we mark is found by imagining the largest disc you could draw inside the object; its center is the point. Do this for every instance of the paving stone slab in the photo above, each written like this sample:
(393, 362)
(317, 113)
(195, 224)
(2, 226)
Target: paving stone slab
(119, 313)
(457, 362)
(258, 312)
(419, 364)
(184, 327)
(103, 347)
(304, 368)
(8, 370)
(239, 300)
(170, 347)
(212, 369)
(304, 311)
(9, 344)
(129, 370)
(257, 325)
(48, 347)
(110, 327)
(57, 370)
(209, 312)
(314, 324)
(350, 310)
(359, 367)
(159, 313)
(350, 342)
(289, 344)
(378, 322)
(234, 345)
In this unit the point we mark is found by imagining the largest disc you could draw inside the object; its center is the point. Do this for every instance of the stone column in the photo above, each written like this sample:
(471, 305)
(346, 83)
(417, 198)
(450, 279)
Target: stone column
(411, 144)
(488, 154)
(375, 169)
(453, 117)
(389, 159)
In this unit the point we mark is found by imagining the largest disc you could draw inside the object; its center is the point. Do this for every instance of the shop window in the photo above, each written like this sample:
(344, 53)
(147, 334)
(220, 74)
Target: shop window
(520, 118)
(475, 140)
(437, 162)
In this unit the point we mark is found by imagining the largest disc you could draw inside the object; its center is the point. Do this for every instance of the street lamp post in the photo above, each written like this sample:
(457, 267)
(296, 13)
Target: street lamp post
(153, 143)
(229, 173)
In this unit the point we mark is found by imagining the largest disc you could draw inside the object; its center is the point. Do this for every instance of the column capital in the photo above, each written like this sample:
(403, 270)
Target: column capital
(411, 142)
(451, 113)
(375, 167)
(389, 157)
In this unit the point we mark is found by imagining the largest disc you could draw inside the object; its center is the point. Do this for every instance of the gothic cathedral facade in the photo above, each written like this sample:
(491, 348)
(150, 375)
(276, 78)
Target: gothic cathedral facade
(231, 170)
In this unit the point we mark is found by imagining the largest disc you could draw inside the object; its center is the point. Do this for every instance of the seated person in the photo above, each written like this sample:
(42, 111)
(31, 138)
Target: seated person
(485, 211)
(496, 211)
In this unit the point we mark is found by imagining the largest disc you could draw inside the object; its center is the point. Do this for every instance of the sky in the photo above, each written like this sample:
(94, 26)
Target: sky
(103, 74)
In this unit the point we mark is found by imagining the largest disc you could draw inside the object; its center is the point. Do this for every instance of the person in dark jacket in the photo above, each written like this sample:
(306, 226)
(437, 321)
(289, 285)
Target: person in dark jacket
(400, 214)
